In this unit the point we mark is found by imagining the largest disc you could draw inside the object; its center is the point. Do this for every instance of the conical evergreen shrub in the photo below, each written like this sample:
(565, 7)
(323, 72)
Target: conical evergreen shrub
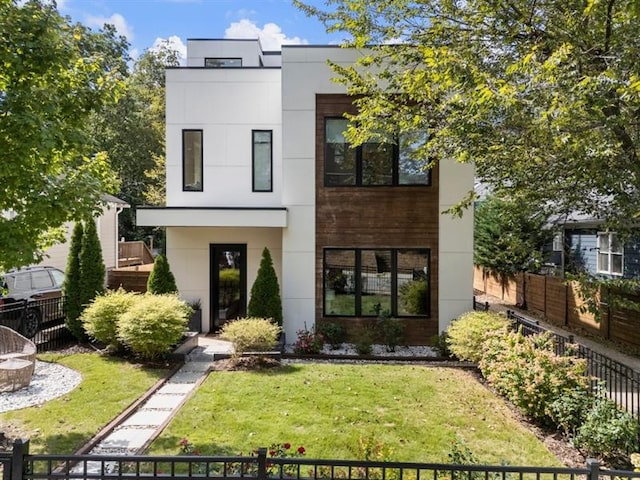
(92, 270)
(161, 280)
(71, 285)
(265, 293)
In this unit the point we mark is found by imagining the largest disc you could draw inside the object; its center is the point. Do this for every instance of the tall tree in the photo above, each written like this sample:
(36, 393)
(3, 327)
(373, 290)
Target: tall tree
(542, 96)
(161, 279)
(72, 282)
(132, 133)
(92, 269)
(509, 237)
(54, 74)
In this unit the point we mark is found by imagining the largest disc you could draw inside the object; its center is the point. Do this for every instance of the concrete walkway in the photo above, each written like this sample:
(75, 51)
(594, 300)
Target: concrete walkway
(138, 430)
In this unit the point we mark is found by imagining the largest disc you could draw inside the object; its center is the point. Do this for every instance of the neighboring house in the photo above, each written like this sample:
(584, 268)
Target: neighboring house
(107, 224)
(256, 158)
(584, 244)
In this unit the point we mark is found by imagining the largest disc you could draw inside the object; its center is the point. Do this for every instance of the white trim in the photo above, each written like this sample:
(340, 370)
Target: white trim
(198, 217)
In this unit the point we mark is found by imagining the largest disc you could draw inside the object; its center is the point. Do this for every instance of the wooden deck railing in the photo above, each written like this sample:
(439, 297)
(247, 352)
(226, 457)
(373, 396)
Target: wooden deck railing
(133, 253)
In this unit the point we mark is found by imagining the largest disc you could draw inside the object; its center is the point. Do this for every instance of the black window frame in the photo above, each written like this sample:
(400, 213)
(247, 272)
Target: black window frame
(253, 161)
(185, 187)
(395, 174)
(223, 59)
(393, 270)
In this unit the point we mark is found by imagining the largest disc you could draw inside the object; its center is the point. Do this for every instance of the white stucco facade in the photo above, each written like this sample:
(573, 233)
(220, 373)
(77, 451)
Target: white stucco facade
(227, 104)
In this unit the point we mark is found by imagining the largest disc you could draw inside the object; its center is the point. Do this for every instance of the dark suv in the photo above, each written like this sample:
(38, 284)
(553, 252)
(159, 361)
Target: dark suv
(29, 296)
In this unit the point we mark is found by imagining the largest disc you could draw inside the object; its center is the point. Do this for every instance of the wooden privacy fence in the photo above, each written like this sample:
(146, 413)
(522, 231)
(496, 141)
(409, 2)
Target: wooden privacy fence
(132, 279)
(558, 302)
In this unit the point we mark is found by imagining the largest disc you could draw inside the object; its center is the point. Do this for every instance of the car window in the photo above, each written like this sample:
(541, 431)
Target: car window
(58, 277)
(19, 282)
(40, 279)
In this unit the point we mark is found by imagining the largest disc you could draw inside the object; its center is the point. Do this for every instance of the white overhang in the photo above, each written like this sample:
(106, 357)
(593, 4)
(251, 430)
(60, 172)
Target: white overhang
(211, 217)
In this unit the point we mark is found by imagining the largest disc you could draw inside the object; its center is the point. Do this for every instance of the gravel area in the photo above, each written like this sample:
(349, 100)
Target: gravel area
(49, 381)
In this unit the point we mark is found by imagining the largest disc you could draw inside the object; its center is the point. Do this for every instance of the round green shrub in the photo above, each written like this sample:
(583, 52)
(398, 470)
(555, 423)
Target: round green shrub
(153, 325)
(607, 430)
(467, 334)
(251, 334)
(100, 318)
(526, 370)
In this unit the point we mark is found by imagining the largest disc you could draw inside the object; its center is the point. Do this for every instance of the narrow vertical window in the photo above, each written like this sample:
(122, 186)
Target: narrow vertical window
(262, 159)
(340, 158)
(192, 160)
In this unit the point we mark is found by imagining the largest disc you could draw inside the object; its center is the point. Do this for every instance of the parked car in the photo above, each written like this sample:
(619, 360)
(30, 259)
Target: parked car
(29, 296)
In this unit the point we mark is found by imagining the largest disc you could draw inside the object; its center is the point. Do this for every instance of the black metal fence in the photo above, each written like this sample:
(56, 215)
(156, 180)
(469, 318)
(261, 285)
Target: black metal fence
(622, 382)
(19, 465)
(47, 316)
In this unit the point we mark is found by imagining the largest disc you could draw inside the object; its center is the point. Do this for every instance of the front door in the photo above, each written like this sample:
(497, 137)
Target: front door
(228, 282)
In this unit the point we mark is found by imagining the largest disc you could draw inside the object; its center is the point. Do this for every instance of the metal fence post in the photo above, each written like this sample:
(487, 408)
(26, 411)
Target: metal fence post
(20, 450)
(262, 463)
(594, 468)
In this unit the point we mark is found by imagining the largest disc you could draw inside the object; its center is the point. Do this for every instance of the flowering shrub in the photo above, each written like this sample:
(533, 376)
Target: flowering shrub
(276, 450)
(308, 342)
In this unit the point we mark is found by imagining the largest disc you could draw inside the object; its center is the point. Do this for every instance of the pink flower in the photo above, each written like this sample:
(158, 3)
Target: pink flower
(184, 442)
(287, 446)
(272, 453)
(301, 450)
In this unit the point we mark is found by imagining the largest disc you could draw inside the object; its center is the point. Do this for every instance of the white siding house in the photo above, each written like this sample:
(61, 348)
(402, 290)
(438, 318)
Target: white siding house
(246, 139)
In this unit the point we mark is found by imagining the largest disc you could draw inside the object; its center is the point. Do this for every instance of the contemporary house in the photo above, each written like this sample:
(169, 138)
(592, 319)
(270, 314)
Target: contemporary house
(256, 157)
(584, 244)
(107, 226)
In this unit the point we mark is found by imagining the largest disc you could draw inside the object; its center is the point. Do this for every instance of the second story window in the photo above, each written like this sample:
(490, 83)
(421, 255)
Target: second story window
(192, 160)
(261, 158)
(370, 164)
(610, 254)
(222, 62)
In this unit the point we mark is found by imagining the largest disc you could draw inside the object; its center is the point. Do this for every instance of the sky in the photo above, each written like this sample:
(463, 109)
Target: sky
(147, 22)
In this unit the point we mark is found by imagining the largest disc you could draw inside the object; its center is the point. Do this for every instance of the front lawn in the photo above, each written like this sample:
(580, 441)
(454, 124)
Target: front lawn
(337, 410)
(60, 426)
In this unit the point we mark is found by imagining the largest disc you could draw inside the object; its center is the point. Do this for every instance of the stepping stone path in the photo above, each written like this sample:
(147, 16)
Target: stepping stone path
(135, 433)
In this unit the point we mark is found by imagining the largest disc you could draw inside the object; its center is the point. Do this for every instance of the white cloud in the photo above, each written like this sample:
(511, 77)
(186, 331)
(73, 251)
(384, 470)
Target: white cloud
(175, 43)
(116, 20)
(270, 35)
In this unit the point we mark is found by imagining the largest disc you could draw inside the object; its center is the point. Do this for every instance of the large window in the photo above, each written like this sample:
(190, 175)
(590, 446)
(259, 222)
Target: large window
(262, 160)
(223, 62)
(610, 254)
(370, 164)
(192, 160)
(366, 282)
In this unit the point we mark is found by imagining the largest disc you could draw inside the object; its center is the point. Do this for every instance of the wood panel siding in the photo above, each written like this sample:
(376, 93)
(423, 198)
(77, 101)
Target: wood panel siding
(374, 217)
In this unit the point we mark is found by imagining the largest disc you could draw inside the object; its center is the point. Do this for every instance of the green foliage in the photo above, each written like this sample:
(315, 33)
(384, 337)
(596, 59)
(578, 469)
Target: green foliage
(413, 297)
(132, 133)
(526, 370)
(538, 95)
(333, 333)
(92, 269)
(390, 331)
(364, 342)
(72, 282)
(161, 280)
(153, 325)
(607, 431)
(54, 75)
(308, 342)
(569, 410)
(441, 344)
(251, 334)
(467, 334)
(265, 293)
(509, 236)
(100, 319)
(230, 277)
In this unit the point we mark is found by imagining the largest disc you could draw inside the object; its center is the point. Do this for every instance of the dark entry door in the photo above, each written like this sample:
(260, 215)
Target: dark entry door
(228, 282)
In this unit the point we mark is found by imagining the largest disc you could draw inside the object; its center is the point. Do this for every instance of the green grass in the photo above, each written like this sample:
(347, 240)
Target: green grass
(344, 304)
(108, 387)
(415, 411)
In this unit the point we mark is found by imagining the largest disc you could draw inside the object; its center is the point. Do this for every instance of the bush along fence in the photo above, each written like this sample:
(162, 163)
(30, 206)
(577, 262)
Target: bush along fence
(19, 465)
(622, 382)
(45, 316)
